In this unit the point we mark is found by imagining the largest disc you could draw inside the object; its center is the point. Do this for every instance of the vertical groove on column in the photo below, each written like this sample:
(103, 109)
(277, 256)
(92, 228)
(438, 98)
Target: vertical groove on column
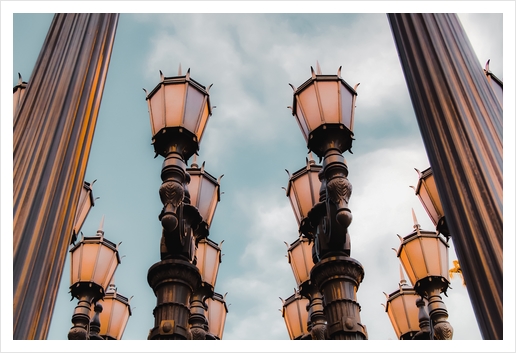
(51, 143)
(460, 121)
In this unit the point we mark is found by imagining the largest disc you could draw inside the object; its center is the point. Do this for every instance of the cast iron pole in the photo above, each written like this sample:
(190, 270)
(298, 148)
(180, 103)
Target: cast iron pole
(52, 136)
(460, 121)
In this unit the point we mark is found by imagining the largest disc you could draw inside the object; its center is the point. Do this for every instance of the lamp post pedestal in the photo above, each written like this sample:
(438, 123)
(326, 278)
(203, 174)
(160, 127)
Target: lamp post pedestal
(443, 330)
(173, 282)
(317, 320)
(338, 278)
(81, 318)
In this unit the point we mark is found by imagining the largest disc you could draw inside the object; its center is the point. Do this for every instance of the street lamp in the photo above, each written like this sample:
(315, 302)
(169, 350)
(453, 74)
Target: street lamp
(86, 202)
(402, 310)
(426, 191)
(216, 311)
(93, 263)
(296, 316)
(324, 107)
(424, 257)
(208, 258)
(116, 311)
(179, 109)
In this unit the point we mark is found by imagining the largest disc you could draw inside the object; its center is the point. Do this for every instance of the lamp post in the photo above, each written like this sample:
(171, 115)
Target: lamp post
(86, 202)
(93, 263)
(403, 311)
(296, 316)
(424, 257)
(426, 191)
(324, 107)
(115, 313)
(179, 109)
(216, 310)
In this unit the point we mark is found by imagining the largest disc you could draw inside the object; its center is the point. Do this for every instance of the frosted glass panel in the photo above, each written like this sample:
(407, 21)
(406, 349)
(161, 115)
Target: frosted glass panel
(329, 95)
(347, 101)
(194, 104)
(310, 106)
(175, 95)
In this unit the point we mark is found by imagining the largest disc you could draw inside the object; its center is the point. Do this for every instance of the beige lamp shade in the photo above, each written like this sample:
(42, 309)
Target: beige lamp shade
(324, 99)
(424, 254)
(179, 102)
(216, 314)
(209, 257)
(295, 315)
(403, 312)
(303, 189)
(426, 191)
(204, 192)
(300, 259)
(115, 314)
(93, 261)
(86, 202)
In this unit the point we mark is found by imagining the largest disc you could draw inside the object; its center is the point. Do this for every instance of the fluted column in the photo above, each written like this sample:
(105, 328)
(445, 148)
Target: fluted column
(338, 278)
(460, 120)
(52, 136)
(173, 282)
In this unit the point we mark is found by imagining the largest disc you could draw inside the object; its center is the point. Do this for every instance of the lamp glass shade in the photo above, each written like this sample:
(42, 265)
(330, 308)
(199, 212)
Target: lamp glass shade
(426, 191)
(424, 254)
(295, 315)
(86, 202)
(93, 260)
(179, 102)
(216, 314)
(115, 315)
(204, 192)
(208, 260)
(402, 311)
(324, 99)
(300, 259)
(303, 190)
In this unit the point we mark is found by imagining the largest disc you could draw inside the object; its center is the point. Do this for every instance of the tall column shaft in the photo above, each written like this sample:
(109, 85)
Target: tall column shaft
(52, 136)
(460, 121)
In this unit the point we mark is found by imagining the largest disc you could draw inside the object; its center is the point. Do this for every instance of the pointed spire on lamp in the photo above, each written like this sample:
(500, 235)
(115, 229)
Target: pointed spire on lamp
(403, 281)
(416, 224)
(100, 231)
(318, 68)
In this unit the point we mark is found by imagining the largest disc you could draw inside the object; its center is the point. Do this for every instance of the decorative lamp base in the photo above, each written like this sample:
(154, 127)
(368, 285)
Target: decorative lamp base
(338, 278)
(173, 282)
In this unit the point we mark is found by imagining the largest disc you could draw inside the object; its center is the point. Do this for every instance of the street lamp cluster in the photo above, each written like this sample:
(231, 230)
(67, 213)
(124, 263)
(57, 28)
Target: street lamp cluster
(325, 273)
(184, 280)
(94, 261)
(424, 257)
(324, 305)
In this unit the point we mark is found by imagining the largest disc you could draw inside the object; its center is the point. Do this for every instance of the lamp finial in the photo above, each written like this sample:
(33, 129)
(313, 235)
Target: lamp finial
(403, 281)
(100, 231)
(416, 225)
(318, 68)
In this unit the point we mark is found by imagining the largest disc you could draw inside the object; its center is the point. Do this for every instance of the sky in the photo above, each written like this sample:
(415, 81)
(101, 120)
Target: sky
(250, 55)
